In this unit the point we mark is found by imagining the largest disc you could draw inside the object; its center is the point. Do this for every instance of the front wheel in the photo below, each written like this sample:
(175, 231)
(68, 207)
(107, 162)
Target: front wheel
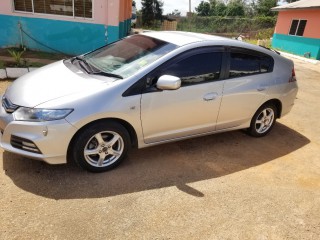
(263, 120)
(101, 147)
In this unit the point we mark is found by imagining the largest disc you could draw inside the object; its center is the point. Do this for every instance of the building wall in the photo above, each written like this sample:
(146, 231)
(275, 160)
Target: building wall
(70, 35)
(311, 30)
(300, 45)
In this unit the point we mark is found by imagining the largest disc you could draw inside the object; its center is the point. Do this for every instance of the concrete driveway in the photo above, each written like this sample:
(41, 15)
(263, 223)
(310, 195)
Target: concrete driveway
(224, 186)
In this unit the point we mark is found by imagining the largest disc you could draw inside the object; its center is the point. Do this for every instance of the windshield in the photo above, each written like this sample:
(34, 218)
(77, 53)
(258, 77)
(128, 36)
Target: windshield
(125, 57)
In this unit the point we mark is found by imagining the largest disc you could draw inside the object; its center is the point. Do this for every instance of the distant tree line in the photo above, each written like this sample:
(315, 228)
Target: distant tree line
(237, 8)
(217, 15)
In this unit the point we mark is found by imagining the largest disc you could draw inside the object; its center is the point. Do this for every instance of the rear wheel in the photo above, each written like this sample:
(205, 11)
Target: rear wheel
(263, 120)
(101, 147)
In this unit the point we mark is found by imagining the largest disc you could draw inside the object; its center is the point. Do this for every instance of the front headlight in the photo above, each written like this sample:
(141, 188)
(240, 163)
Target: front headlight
(39, 114)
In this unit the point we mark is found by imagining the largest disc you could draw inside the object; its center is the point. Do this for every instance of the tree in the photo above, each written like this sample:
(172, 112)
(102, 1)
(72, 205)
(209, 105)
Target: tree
(203, 9)
(151, 10)
(235, 8)
(176, 13)
(220, 9)
(263, 7)
(213, 4)
(133, 3)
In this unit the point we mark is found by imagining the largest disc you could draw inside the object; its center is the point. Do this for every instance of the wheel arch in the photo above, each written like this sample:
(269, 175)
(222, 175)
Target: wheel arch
(125, 124)
(277, 103)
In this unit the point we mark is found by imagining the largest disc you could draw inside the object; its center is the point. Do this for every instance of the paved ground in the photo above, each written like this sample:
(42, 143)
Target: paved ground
(225, 186)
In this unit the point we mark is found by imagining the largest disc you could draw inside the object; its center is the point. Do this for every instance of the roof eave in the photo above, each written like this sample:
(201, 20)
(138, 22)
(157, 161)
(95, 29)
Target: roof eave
(292, 9)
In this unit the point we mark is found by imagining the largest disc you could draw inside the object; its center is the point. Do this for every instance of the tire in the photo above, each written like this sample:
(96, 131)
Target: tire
(101, 147)
(263, 120)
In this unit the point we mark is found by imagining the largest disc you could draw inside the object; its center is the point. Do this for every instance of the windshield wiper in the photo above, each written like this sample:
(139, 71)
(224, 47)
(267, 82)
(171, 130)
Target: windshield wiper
(107, 74)
(90, 70)
(88, 67)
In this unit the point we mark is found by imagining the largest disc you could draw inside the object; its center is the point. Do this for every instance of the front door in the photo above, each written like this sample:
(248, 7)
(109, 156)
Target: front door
(190, 110)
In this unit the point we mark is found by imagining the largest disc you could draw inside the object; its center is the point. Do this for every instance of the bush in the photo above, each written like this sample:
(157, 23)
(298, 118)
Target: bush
(17, 56)
(225, 24)
(265, 34)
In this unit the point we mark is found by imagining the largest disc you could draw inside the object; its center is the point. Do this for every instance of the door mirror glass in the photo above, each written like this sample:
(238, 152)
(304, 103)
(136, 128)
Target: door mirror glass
(168, 82)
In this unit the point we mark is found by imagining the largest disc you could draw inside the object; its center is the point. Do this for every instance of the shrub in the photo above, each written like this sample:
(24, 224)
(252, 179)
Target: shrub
(17, 56)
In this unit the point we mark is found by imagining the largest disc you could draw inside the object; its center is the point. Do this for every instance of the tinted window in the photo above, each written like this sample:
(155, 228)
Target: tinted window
(195, 69)
(266, 64)
(243, 64)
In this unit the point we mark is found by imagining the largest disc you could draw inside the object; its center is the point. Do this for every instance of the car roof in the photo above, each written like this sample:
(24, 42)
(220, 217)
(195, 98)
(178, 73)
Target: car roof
(183, 38)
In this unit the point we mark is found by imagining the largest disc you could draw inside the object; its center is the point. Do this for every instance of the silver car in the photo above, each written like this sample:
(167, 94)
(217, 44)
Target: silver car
(144, 90)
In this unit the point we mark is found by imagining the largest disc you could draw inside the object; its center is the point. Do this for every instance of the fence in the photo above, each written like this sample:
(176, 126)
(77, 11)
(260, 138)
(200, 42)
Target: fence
(169, 25)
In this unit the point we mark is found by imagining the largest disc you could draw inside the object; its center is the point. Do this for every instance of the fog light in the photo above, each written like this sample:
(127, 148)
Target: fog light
(24, 144)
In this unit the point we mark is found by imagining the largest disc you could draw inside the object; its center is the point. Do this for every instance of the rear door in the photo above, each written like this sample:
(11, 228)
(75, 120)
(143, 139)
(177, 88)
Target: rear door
(245, 88)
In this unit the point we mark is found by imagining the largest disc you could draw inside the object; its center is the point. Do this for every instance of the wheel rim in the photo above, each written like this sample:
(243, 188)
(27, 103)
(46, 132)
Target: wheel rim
(103, 149)
(264, 120)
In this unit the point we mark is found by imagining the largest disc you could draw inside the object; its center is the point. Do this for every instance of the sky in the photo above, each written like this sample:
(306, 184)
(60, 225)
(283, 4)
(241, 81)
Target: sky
(170, 5)
(182, 5)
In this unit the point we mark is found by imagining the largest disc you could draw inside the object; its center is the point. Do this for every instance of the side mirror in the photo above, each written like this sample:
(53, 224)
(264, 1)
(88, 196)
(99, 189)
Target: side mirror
(168, 82)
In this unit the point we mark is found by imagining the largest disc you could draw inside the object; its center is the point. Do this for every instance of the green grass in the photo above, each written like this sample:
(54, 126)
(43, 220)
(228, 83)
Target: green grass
(265, 43)
(1, 64)
(252, 41)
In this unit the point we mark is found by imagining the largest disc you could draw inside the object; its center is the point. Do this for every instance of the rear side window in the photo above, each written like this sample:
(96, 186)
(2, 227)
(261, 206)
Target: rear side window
(199, 68)
(243, 64)
(266, 64)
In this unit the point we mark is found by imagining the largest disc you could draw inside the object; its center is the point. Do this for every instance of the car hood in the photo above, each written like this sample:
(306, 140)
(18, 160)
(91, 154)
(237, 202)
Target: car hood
(50, 82)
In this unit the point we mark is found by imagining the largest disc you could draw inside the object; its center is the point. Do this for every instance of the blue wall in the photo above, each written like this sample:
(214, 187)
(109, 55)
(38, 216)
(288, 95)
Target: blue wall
(72, 38)
(297, 45)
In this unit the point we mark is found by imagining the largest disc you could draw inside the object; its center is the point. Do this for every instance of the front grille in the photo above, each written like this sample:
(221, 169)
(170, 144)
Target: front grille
(8, 105)
(24, 144)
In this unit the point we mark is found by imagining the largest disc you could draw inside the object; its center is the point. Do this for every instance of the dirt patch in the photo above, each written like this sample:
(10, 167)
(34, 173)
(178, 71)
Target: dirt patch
(224, 186)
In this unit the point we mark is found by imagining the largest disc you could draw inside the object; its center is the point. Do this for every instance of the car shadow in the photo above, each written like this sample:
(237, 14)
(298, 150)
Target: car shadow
(172, 164)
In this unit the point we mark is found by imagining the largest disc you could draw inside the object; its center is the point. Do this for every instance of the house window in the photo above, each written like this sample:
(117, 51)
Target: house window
(58, 7)
(23, 5)
(74, 8)
(83, 8)
(297, 27)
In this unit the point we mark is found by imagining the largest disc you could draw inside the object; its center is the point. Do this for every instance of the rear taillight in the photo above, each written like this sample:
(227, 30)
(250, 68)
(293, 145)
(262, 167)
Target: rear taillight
(293, 76)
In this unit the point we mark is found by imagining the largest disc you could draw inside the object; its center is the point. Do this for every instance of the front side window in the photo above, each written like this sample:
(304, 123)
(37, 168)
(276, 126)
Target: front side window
(199, 68)
(75, 8)
(297, 27)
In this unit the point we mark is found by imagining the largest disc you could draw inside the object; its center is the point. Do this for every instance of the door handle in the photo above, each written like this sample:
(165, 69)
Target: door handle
(210, 96)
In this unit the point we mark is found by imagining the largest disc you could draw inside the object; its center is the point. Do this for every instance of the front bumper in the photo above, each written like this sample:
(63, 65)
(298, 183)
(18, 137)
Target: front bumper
(52, 138)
